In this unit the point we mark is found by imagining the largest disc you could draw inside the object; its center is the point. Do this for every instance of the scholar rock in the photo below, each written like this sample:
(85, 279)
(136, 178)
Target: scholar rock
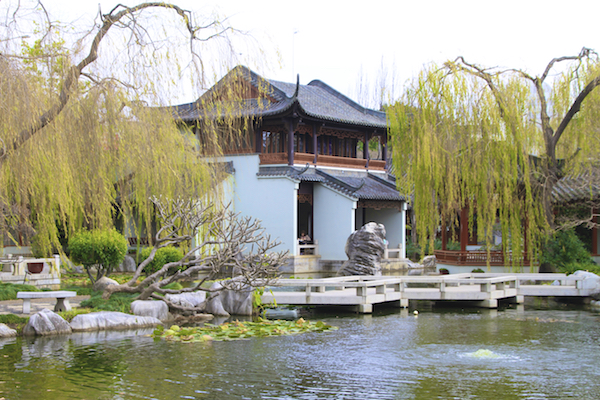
(189, 300)
(103, 282)
(429, 262)
(105, 320)
(365, 249)
(150, 308)
(227, 302)
(46, 323)
(5, 331)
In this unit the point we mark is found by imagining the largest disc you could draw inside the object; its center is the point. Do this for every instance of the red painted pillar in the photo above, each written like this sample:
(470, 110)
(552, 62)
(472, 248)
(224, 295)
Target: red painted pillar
(464, 228)
(444, 235)
(291, 143)
(315, 144)
(595, 234)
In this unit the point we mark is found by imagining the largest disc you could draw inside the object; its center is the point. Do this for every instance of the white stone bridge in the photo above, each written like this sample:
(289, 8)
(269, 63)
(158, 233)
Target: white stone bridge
(484, 290)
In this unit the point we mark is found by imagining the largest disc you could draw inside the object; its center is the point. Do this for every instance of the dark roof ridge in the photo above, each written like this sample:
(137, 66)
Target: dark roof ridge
(320, 84)
(249, 76)
(339, 182)
(381, 180)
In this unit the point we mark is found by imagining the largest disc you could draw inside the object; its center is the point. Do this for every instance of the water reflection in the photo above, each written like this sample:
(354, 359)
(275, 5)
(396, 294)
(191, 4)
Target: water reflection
(392, 354)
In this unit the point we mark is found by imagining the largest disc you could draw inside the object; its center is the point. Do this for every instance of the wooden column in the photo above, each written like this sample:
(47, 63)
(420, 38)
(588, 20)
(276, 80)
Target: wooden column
(290, 142)
(384, 148)
(258, 138)
(525, 242)
(464, 228)
(444, 235)
(315, 144)
(366, 149)
(595, 235)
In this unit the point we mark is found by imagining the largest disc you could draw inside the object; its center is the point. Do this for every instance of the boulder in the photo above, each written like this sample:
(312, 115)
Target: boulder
(365, 249)
(191, 300)
(590, 281)
(5, 331)
(429, 262)
(128, 265)
(102, 283)
(150, 308)
(104, 320)
(46, 323)
(230, 302)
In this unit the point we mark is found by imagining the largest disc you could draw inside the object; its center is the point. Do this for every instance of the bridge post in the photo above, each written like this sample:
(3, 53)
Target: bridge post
(365, 308)
(489, 303)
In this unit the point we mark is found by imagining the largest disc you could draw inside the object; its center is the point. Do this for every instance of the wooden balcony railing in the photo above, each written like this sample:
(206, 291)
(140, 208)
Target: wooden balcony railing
(134, 241)
(478, 258)
(327, 161)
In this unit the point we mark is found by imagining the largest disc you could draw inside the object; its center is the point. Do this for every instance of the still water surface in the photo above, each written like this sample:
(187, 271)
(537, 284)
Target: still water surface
(440, 354)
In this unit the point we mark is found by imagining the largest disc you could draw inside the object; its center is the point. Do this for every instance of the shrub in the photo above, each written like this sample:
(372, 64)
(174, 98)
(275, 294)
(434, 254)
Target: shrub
(104, 249)
(8, 291)
(163, 256)
(565, 251)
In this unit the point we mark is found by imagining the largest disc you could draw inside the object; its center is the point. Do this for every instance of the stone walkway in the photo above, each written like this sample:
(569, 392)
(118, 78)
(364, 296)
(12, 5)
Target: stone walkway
(16, 306)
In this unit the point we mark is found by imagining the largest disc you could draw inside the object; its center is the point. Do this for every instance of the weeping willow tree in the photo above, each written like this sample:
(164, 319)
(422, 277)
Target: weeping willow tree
(79, 139)
(497, 142)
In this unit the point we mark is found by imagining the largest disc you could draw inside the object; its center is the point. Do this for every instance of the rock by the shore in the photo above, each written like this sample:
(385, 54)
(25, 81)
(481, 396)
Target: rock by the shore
(102, 283)
(365, 249)
(429, 262)
(111, 320)
(151, 308)
(590, 281)
(5, 331)
(230, 302)
(190, 300)
(46, 323)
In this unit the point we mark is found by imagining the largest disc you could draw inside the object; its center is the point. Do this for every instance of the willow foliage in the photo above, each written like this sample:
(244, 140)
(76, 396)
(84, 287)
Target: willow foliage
(463, 136)
(102, 151)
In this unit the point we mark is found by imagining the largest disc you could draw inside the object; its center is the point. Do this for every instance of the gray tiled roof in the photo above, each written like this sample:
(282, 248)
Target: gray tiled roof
(579, 188)
(361, 185)
(316, 100)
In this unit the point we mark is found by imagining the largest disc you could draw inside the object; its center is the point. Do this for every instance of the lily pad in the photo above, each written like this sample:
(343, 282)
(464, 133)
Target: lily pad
(240, 330)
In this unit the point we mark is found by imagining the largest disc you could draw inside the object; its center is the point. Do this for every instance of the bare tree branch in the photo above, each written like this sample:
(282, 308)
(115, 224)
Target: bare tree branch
(116, 15)
(225, 244)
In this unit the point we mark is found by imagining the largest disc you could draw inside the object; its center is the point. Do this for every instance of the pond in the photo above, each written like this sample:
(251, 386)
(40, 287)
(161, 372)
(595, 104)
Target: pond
(521, 353)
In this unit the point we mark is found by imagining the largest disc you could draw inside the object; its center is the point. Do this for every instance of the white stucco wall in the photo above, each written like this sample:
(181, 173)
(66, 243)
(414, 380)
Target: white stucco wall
(334, 219)
(394, 224)
(273, 201)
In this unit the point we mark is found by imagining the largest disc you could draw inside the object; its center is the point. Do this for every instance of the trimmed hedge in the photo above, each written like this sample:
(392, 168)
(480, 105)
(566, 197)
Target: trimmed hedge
(163, 256)
(104, 249)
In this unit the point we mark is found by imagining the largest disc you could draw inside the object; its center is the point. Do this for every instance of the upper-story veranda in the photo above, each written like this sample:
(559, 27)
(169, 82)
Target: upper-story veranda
(290, 124)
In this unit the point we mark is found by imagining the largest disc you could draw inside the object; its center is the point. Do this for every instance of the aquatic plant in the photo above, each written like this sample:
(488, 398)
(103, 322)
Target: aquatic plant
(239, 330)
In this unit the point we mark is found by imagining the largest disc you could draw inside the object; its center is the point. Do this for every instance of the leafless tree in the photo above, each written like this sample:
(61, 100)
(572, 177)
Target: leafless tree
(220, 241)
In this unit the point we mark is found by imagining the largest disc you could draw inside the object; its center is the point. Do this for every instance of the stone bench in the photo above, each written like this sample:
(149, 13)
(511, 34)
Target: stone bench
(61, 296)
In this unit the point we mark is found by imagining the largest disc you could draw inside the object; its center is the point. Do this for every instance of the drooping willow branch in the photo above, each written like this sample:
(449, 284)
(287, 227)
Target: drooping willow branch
(115, 16)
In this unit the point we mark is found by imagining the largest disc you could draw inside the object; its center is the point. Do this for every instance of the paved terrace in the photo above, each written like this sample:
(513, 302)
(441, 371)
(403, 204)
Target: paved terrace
(484, 290)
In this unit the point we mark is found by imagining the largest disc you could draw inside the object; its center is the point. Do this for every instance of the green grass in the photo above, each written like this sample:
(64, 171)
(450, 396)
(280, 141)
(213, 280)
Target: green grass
(10, 319)
(14, 322)
(8, 291)
(118, 302)
(69, 315)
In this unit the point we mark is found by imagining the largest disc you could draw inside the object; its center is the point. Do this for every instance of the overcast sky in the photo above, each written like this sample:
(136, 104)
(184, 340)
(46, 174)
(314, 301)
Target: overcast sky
(339, 42)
